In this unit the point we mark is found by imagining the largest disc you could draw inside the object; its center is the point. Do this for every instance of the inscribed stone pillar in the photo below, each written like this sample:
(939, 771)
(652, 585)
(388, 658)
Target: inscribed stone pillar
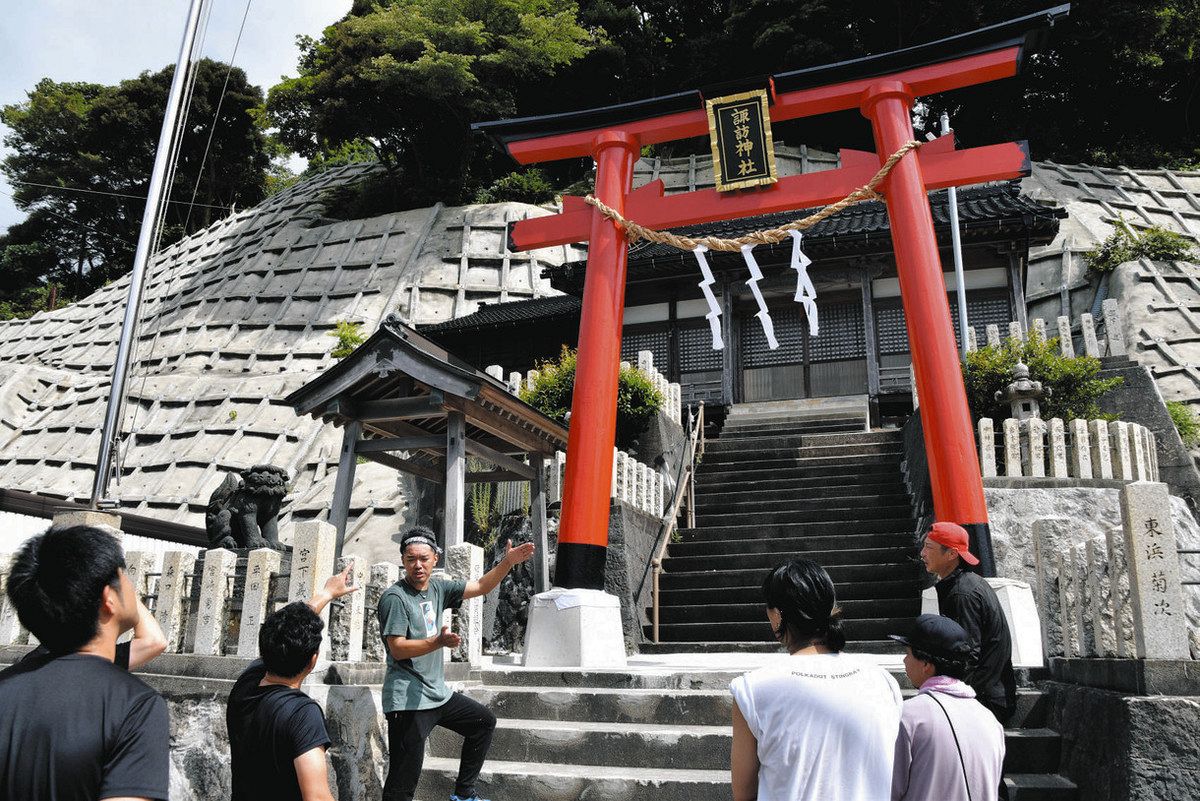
(383, 575)
(1118, 437)
(1012, 448)
(1137, 452)
(174, 593)
(1091, 347)
(987, 447)
(659, 494)
(138, 566)
(1099, 597)
(1034, 454)
(1057, 443)
(216, 587)
(620, 486)
(1080, 619)
(1114, 329)
(993, 335)
(312, 565)
(530, 378)
(261, 565)
(1014, 331)
(1049, 534)
(10, 627)
(972, 340)
(514, 383)
(1038, 329)
(495, 371)
(1101, 449)
(1081, 449)
(465, 562)
(1160, 622)
(346, 615)
(1066, 612)
(1066, 344)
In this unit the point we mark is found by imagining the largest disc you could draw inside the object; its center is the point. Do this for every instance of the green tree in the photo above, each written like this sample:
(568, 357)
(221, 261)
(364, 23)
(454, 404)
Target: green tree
(408, 77)
(80, 161)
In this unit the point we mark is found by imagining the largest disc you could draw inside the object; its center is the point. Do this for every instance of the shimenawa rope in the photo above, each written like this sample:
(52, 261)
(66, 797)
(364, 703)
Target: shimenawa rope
(634, 231)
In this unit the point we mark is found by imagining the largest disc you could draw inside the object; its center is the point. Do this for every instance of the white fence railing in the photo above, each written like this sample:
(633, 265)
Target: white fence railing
(1079, 449)
(1118, 595)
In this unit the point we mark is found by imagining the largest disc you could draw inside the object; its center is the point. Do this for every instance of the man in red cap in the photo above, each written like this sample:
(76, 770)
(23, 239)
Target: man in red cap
(967, 599)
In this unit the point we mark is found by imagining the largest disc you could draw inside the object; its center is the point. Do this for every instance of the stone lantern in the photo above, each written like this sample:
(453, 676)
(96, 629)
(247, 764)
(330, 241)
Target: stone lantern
(1023, 394)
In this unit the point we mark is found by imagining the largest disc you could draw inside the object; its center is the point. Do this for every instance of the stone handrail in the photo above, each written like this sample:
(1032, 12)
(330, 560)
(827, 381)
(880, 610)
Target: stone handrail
(1082, 449)
(1116, 595)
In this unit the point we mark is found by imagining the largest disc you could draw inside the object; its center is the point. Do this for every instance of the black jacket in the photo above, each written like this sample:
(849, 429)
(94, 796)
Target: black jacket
(968, 600)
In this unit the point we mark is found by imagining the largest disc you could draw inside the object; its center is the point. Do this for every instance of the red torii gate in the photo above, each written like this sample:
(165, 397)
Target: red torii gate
(883, 87)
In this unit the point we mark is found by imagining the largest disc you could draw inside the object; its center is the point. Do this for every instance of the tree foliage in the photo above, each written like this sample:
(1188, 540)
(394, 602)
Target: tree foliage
(80, 161)
(1122, 245)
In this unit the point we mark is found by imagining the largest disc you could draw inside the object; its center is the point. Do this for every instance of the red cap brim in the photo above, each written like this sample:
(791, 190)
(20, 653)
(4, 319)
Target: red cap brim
(968, 557)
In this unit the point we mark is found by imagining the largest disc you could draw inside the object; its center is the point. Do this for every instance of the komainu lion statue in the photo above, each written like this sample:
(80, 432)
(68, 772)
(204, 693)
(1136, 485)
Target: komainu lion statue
(243, 512)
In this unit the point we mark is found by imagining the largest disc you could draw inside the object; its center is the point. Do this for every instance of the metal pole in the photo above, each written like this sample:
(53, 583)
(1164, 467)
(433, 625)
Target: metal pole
(956, 246)
(141, 258)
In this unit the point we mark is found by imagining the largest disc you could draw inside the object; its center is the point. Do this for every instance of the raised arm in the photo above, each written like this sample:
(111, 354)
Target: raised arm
(148, 638)
(336, 586)
(491, 579)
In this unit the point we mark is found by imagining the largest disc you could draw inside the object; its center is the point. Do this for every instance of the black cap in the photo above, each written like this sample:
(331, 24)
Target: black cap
(937, 636)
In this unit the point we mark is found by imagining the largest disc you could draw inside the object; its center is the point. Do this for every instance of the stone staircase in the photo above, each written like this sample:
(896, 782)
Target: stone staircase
(798, 478)
(655, 736)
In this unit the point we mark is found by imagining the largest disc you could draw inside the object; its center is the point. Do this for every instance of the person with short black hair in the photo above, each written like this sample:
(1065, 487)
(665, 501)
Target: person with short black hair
(950, 747)
(415, 695)
(277, 734)
(73, 725)
(820, 725)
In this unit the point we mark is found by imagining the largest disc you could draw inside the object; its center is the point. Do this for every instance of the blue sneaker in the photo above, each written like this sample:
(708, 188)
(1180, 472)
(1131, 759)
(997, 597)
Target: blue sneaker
(472, 798)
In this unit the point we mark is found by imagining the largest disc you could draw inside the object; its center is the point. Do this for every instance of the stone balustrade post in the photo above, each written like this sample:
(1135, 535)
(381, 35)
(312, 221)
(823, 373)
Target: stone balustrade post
(1156, 595)
(992, 333)
(496, 372)
(1012, 448)
(972, 340)
(987, 447)
(1080, 619)
(1015, 332)
(514, 383)
(1066, 344)
(346, 615)
(138, 566)
(465, 562)
(313, 548)
(212, 614)
(1137, 452)
(1038, 329)
(1100, 598)
(1152, 449)
(1091, 346)
(1034, 454)
(174, 585)
(1102, 466)
(531, 379)
(1048, 533)
(1118, 436)
(382, 576)
(1057, 440)
(262, 565)
(1066, 612)
(1114, 329)
(1081, 449)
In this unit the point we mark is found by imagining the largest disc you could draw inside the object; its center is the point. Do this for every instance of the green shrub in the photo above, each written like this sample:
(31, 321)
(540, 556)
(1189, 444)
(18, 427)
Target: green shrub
(1185, 423)
(349, 336)
(1074, 383)
(529, 186)
(637, 399)
(1122, 245)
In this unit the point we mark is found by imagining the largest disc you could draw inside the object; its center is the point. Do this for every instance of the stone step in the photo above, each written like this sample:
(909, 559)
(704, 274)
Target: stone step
(756, 647)
(1033, 750)
(763, 477)
(666, 680)
(873, 629)
(522, 781)
(830, 464)
(672, 584)
(720, 517)
(761, 428)
(780, 452)
(788, 545)
(677, 575)
(866, 557)
(677, 612)
(812, 486)
(893, 491)
(622, 705)
(789, 440)
(1040, 787)
(762, 530)
(856, 403)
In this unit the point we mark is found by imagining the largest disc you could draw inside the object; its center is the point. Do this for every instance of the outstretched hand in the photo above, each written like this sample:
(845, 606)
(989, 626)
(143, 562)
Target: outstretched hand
(340, 584)
(448, 639)
(515, 556)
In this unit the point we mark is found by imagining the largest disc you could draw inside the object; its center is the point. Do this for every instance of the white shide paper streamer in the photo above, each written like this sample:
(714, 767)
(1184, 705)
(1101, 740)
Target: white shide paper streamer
(806, 293)
(763, 315)
(714, 308)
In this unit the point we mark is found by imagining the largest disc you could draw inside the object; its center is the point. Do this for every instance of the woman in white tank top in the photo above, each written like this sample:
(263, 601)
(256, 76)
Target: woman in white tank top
(817, 725)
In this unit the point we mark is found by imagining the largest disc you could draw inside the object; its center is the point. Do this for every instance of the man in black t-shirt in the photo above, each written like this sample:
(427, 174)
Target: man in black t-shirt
(74, 726)
(277, 734)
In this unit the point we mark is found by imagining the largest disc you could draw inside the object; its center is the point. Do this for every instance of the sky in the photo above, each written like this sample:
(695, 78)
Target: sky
(105, 41)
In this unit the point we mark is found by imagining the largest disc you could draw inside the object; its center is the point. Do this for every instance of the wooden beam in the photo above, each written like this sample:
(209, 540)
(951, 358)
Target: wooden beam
(537, 514)
(493, 422)
(377, 411)
(427, 442)
(499, 459)
(454, 519)
(872, 345)
(427, 472)
(492, 476)
(339, 507)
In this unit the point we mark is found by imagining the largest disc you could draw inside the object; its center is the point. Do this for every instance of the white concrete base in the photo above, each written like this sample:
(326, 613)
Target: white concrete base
(574, 628)
(1020, 612)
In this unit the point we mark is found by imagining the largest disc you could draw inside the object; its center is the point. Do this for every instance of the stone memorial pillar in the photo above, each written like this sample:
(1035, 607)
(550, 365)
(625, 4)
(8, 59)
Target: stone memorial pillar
(987, 447)
(261, 565)
(1012, 448)
(346, 615)
(1058, 448)
(1118, 437)
(1066, 344)
(1081, 449)
(216, 587)
(1091, 346)
(382, 576)
(1160, 622)
(1034, 455)
(313, 550)
(1114, 329)
(174, 593)
(465, 563)
(1101, 449)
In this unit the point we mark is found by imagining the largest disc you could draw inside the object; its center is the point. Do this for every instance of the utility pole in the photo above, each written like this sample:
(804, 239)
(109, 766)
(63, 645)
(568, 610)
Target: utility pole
(137, 277)
(956, 246)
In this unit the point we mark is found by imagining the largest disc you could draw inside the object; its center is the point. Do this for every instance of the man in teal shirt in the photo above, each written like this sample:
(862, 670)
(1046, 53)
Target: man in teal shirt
(415, 696)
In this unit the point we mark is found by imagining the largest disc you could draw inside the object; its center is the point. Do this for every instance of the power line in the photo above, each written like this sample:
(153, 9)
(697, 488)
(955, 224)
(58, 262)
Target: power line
(113, 194)
(75, 223)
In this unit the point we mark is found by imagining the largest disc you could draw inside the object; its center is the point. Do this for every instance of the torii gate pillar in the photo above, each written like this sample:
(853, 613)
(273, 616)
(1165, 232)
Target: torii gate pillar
(945, 416)
(583, 531)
